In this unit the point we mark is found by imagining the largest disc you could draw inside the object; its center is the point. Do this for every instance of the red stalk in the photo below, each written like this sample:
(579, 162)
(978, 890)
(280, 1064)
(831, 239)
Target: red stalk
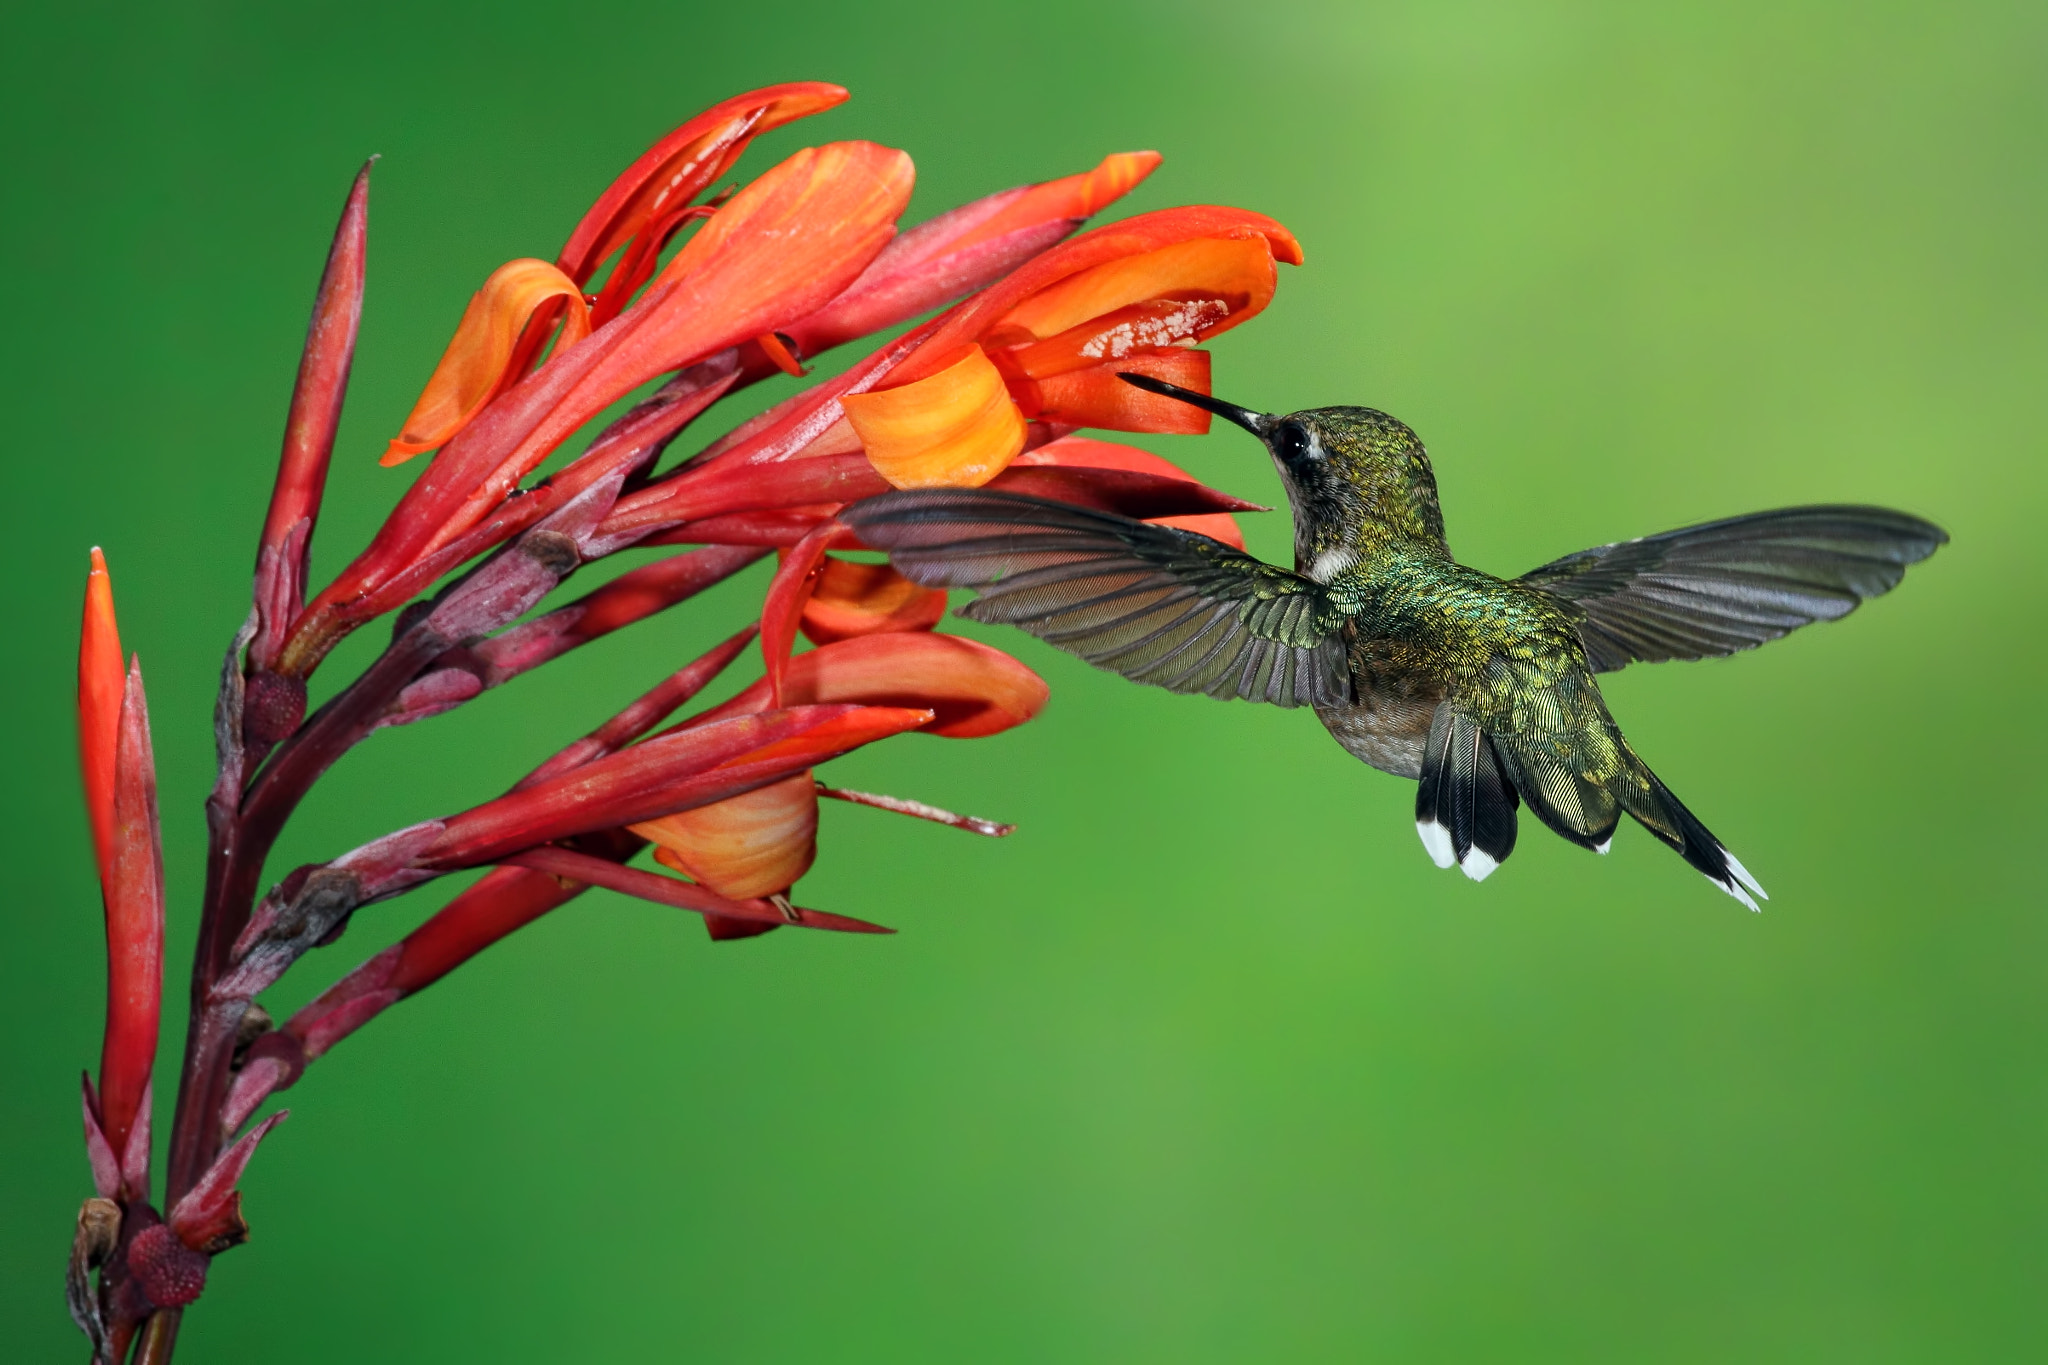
(631, 597)
(653, 707)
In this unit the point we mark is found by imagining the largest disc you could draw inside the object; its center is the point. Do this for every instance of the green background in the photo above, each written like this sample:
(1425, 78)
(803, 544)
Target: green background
(1208, 1062)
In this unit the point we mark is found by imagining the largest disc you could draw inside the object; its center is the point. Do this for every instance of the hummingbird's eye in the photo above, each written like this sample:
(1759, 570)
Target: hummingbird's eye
(1291, 443)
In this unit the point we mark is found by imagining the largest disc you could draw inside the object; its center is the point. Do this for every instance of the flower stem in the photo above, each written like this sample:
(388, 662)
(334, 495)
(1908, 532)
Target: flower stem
(159, 1338)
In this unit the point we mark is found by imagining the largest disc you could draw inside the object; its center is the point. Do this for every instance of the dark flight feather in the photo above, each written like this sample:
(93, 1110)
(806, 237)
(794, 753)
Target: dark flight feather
(1155, 603)
(1731, 585)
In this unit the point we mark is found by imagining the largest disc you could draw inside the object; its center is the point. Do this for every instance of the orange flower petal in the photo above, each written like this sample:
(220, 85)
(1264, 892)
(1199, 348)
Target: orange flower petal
(973, 689)
(474, 367)
(754, 844)
(965, 249)
(956, 429)
(812, 199)
(1236, 272)
(777, 251)
(1105, 246)
(1087, 453)
(1097, 398)
(854, 599)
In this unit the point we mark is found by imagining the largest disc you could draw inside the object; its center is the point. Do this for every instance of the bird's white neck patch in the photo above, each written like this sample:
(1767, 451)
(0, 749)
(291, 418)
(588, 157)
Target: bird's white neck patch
(1330, 563)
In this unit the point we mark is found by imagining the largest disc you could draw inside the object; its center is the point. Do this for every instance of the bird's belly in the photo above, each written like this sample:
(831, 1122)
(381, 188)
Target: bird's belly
(1386, 728)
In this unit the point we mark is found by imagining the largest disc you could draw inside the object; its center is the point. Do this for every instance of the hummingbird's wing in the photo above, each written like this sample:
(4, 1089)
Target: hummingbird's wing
(1155, 603)
(1731, 585)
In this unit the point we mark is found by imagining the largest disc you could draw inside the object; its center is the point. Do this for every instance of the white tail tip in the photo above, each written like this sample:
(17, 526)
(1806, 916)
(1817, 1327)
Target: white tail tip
(1437, 840)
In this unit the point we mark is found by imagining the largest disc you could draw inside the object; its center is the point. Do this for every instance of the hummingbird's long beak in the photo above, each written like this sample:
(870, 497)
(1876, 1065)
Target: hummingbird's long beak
(1257, 423)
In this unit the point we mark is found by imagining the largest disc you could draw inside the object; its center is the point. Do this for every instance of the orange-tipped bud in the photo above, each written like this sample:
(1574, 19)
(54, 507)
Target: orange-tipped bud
(102, 678)
(476, 365)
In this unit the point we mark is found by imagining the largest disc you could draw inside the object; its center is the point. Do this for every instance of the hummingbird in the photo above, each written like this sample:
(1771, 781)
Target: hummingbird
(1483, 691)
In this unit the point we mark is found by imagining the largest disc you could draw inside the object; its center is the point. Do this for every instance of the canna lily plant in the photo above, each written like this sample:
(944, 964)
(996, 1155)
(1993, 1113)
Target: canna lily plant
(684, 291)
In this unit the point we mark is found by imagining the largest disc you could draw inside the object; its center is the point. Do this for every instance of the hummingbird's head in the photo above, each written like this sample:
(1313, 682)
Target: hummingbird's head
(1356, 478)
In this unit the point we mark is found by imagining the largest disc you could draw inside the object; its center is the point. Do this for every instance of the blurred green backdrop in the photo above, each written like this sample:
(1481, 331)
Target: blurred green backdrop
(1162, 1077)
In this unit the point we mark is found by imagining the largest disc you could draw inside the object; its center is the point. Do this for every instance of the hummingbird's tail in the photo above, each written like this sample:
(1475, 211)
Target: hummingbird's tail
(1664, 815)
(1464, 804)
(1579, 789)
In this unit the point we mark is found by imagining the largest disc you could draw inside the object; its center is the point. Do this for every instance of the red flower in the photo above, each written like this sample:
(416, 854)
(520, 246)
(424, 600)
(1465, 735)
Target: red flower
(670, 282)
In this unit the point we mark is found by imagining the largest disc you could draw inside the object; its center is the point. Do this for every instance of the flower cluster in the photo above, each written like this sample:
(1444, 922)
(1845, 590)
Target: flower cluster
(687, 292)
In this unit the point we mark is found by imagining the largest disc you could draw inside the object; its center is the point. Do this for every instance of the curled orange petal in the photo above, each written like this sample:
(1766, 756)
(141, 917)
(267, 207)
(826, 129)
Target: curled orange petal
(958, 428)
(974, 690)
(475, 365)
(1235, 272)
(971, 689)
(754, 844)
(854, 599)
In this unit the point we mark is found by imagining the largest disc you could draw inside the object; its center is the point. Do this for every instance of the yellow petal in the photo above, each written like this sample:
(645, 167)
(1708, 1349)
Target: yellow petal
(956, 429)
(473, 368)
(753, 844)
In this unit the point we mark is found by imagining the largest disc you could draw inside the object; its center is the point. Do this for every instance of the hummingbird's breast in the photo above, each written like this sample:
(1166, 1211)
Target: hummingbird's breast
(1397, 694)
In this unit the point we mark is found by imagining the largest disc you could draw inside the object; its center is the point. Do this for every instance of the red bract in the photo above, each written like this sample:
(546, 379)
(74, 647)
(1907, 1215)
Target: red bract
(676, 289)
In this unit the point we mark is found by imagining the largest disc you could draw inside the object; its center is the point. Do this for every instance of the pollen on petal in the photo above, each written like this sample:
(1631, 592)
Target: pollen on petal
(1237, 272)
